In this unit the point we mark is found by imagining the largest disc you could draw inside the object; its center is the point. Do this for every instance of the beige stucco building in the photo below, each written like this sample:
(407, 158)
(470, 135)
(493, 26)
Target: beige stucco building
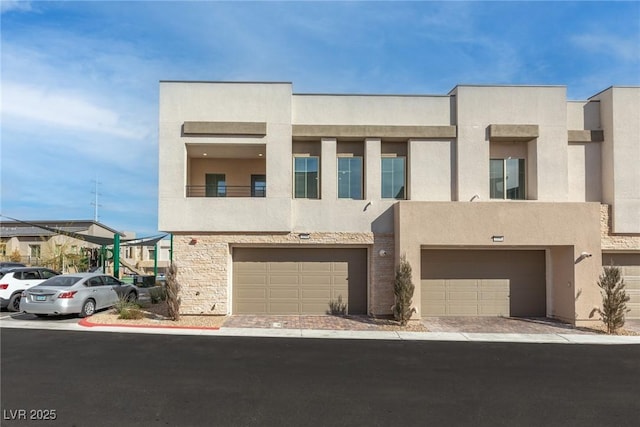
(506, 200)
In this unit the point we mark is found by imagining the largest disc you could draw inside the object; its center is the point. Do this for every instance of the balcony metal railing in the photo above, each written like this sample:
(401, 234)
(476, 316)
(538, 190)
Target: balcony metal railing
(225, 191)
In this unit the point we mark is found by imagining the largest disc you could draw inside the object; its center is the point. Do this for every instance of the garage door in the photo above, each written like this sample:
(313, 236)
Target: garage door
(483, 283)
(630, 269)
(298, 281)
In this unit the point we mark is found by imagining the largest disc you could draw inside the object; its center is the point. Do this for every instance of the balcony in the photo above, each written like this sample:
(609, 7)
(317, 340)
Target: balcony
(226, 191)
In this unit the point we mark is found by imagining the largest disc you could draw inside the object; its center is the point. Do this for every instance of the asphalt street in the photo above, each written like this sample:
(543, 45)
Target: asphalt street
(115, 379)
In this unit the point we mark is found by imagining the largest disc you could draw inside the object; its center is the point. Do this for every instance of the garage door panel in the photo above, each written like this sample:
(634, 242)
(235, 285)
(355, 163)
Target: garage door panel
(456, 309)
(493, 310)
(319, 267)
(324, 294)
(284, 293)
(315, 280)
(434, 310)
(299, 280)
(258, 307)
(281, 280)
(252, 293)
(251, 280)
(462, 295)
(283, 307)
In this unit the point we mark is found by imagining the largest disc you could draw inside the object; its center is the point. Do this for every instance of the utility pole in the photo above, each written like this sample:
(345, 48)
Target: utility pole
(95, 201)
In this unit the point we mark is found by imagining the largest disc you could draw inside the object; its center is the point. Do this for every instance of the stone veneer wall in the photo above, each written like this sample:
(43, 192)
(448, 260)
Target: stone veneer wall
(204, 265)
(615, 242)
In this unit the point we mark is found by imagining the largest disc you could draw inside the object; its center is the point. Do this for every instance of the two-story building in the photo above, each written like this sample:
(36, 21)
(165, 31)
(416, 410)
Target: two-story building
(506, 200)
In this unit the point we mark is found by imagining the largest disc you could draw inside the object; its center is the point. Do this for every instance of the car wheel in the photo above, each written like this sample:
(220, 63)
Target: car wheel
(88, 308)
(131, 297)
(14, 302)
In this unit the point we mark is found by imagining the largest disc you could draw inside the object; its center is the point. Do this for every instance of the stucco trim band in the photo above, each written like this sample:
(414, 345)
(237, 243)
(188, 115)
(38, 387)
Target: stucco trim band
(225, 128)
(373, 131)
(585, 136)
(513, 132)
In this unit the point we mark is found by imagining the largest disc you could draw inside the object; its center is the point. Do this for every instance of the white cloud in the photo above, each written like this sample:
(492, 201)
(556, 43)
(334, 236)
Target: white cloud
(62, 109)
(15, 5)
(624, 48)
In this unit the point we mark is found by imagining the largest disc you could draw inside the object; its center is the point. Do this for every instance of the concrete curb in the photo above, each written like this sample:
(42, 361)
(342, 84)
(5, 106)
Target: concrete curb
(88, 324)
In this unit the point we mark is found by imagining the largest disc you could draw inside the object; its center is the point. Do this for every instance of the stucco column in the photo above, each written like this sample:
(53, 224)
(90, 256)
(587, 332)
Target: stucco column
(328, 169)
(372, 169)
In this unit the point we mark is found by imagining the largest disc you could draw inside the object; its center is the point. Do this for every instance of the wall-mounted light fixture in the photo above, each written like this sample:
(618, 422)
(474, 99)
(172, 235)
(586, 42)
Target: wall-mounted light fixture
(497, 239)
(304, 236)
(193, 241)
(582, 256)
(382, 253)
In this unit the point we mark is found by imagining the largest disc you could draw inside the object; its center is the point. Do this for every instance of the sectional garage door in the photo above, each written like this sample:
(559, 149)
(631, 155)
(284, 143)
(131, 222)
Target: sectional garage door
(629, 265)
(483, 283)
(298, 281)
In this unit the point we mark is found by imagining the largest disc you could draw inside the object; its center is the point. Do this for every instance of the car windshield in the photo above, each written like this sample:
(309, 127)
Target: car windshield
(61, 281)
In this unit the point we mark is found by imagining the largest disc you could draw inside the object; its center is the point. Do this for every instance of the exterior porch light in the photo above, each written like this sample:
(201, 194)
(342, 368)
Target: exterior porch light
(497, 239)
(304, 236)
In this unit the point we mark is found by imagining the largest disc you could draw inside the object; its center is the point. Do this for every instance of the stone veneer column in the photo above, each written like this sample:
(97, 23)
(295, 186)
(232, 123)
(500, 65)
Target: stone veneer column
(328, 169)
(372, 168)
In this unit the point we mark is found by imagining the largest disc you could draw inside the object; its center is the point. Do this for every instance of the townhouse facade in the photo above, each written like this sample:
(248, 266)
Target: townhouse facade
(505, 200)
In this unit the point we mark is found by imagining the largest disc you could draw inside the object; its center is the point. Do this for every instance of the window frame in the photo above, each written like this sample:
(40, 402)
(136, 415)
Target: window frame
(306, 183)
(404, 177)
(522, 177)
(350, 173)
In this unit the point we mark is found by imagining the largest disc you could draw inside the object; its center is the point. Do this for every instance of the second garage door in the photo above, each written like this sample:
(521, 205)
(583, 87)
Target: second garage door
(298, 281)
(483, 283)
(629, 265)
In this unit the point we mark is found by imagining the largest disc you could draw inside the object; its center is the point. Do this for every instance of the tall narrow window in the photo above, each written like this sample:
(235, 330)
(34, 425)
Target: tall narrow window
(306, 182)
(507, 179)
(258, 185)
(393, 178)
(350, 178)
(216, 185)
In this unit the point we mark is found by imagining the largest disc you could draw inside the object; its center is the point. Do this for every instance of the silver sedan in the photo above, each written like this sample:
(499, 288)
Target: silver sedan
(81, 293)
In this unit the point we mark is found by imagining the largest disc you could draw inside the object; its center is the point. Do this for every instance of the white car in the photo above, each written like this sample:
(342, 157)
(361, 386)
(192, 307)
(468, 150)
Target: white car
(16, 280)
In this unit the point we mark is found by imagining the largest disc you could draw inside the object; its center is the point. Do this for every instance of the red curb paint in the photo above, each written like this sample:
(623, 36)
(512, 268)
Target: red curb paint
(86, 323)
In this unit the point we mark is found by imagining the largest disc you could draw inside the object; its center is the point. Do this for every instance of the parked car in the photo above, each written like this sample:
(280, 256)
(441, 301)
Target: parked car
(15, 280)
(8, 265)
(81, 293)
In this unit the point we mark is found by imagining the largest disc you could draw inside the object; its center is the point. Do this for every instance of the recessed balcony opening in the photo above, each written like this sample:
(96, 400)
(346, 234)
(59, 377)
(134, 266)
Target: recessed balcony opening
(226, 170)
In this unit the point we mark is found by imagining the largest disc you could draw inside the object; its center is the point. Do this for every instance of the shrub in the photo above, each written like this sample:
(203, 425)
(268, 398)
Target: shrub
(132, 313)
(337, 308)
(173, 293)
(157, 294)
(403, 289)
(127, 310)
(614, 299)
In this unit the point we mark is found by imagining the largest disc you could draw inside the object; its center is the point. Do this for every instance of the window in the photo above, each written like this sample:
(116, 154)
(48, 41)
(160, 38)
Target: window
(305, 170)
(350, 178)
(393, 178)
(507, 179)
(34, 251)
(216, 185)
(258, 185)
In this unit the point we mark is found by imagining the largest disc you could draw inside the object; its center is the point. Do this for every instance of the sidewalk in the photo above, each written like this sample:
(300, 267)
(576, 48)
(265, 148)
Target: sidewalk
(362, 327)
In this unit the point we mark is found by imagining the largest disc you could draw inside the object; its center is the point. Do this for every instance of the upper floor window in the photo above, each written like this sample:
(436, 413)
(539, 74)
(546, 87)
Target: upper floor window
(216, 185)
(393, 177)
(350, 178)
(507, 179)
(305, 177)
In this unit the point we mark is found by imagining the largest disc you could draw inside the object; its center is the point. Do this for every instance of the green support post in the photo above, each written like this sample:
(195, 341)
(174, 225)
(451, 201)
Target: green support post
(171, 250)
(116, 255)
(155, 261)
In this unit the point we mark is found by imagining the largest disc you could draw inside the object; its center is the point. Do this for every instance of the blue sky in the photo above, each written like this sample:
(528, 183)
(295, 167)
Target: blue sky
(79, 80)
